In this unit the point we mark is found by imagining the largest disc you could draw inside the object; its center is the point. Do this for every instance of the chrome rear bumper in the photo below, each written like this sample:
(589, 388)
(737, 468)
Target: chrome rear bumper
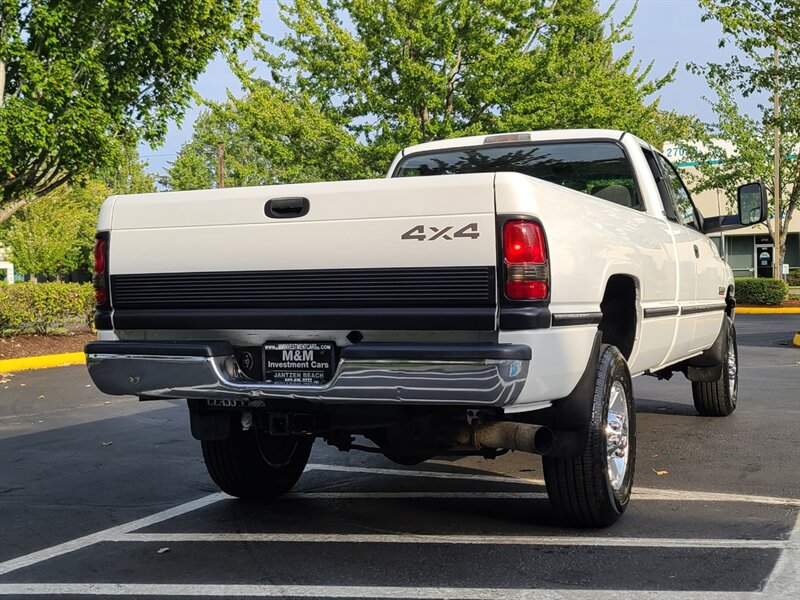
(450, 374)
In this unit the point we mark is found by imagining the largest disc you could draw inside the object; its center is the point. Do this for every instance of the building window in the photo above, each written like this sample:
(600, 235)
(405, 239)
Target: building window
(792, 256)
(740, 255)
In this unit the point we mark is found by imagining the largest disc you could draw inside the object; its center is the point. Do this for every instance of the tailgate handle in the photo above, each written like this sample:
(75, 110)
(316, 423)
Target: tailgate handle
(287, 208)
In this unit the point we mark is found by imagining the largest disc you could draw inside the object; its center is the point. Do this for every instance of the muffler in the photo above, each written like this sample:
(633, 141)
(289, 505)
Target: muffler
(535, 439)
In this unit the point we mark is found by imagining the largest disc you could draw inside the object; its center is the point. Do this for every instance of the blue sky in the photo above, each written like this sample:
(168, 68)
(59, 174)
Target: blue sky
(664, 31)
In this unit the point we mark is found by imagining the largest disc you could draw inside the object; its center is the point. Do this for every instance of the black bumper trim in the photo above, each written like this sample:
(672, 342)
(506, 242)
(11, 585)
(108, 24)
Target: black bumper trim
(693, 310)
(390, 319)
(666, 311)
(566, 319)
(102, 319)
(520, 318)
(135, 348)
(433, 352)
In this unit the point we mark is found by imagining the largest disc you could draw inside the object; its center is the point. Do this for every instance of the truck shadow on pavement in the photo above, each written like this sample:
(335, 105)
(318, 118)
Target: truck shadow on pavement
(661, 407)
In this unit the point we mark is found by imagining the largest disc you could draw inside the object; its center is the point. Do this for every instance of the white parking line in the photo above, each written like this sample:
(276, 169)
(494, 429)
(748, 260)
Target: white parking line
(482, 540)
(326, 591)
(638, 493)
(697, 496)
(784, 581)
(106, 534)
(784, 577)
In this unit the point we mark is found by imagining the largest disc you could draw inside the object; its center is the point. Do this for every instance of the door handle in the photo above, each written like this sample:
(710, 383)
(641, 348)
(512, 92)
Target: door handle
(696, 251)
(287, 208)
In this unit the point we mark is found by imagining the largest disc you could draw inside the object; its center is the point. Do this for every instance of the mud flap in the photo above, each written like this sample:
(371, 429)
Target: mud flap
(708, 366)
(208, 424)
(569, 417)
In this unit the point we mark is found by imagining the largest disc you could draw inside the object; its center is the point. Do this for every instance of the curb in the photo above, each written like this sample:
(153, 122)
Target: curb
(10, 365)
(767, 310)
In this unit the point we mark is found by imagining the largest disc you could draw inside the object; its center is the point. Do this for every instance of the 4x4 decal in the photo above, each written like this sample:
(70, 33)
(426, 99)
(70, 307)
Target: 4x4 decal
(441, 233)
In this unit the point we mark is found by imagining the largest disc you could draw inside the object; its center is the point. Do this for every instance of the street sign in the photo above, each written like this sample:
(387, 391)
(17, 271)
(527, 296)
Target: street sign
(785, 269)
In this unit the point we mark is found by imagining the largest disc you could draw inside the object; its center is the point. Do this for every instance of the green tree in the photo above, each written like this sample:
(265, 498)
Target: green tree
(400, 72)
(194, 168)
(755, 29)
(55, 234)
(78, 77)
(269, 137)
(126, 174)
(357, 80)
(573, 80)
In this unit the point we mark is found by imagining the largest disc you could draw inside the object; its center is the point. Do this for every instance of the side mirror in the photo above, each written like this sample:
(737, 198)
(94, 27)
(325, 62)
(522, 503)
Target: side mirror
(752, 201)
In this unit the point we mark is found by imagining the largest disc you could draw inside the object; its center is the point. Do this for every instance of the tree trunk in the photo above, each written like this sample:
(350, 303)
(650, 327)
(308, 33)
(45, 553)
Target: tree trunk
(451, 85)
(8, 210)
(780, 247)
(424, 119)
(2, 80)
(788, 212)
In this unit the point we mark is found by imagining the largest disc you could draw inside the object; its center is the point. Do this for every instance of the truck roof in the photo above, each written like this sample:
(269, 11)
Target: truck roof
(535, 136)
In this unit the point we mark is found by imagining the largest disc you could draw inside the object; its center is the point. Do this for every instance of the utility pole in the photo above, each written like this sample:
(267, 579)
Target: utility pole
(776, 113)
(723, 248)
(220, 165)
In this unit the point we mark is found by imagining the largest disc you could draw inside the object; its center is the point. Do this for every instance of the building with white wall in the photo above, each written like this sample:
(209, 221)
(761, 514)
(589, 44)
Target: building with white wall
(749, 251)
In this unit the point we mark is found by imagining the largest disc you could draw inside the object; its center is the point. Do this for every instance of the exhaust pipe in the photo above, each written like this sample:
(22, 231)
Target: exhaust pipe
(535, 439)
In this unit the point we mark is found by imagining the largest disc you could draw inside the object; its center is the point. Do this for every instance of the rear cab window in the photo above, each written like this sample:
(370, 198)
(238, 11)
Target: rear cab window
(600, 169)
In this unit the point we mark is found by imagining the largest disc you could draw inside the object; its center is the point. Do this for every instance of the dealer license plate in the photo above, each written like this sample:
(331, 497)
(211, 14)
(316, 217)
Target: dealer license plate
(299, 363)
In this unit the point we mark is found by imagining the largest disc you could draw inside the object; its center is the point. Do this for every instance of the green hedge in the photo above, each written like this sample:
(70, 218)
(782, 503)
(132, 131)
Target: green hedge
(793, 278)
(760, 291)
(44, 307)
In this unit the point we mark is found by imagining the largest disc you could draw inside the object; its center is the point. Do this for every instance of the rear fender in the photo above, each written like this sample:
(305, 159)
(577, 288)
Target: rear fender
(569, 417)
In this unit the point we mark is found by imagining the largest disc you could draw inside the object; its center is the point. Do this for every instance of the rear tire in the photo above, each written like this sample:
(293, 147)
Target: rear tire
(594, 489)
(718, 398)
(254, 465)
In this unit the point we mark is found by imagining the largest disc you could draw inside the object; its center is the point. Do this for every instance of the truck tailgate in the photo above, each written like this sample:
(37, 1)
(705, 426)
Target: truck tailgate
(410, 253)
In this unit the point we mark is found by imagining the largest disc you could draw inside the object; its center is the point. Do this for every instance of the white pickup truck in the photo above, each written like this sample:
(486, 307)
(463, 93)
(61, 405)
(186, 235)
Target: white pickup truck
(493, 293)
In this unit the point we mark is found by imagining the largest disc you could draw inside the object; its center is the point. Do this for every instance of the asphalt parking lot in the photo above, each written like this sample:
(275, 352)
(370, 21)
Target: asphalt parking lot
(109, 497)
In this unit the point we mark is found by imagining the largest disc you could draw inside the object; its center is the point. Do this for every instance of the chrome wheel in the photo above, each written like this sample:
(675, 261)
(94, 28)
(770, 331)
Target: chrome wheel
(732, 367)
(617, 435)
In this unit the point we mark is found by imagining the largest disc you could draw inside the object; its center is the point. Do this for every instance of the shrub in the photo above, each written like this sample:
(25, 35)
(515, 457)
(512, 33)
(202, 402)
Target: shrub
(760, 291)
(793, 278)
(43, 307)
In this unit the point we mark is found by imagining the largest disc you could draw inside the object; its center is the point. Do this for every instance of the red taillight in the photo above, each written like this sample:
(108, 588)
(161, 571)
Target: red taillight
(525, 257)
(100, 256)
(100, 279)
(523, 242)
(526, 290)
